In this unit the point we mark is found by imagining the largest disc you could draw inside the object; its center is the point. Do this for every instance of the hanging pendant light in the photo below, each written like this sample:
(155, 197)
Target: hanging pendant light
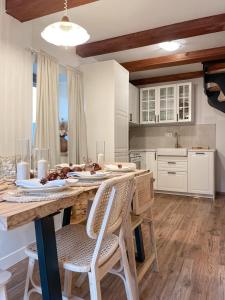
(65, 33)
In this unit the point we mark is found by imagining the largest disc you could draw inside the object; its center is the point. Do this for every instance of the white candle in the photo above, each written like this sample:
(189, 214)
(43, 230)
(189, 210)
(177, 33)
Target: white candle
(23, 170)
(100, 158)
(42, 168)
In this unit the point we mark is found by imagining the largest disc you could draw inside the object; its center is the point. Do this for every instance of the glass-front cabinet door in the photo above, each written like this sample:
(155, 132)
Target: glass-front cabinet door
(184, 102)
(148, 98)
(167, 104)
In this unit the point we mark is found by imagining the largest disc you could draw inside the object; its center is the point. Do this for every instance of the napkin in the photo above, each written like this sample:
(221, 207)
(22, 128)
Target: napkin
(35, 183)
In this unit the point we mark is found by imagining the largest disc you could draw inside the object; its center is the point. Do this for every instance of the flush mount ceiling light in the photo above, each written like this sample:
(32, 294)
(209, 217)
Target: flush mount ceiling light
(169, 46)
(65, 33)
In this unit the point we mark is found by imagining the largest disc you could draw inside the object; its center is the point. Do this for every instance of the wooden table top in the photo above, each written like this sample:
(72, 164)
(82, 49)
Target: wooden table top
(13, 215)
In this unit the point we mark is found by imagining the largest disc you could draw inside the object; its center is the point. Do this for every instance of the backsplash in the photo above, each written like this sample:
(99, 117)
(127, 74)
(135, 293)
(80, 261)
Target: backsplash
(203, 135)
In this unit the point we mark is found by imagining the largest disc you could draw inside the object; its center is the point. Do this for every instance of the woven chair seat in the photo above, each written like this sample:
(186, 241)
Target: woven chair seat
(75, 249)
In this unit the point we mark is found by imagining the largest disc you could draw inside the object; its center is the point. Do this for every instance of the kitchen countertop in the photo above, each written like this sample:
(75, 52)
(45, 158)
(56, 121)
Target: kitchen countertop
(189, 150)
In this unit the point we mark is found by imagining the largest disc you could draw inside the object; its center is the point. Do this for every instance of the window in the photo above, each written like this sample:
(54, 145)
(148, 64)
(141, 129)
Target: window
(63, 108)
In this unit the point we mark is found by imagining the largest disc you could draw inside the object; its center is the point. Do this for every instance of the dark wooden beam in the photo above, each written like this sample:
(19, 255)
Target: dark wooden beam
(175, 59)
(176, 31)
(167, 78)
(26, 10)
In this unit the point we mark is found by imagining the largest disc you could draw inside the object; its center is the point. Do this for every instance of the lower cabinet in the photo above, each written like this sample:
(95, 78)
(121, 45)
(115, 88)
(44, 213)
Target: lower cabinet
(201, 175)
(172, 174)
(173, 181)
(151, 164)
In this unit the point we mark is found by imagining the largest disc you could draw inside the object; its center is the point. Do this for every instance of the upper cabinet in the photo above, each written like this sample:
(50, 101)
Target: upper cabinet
(184, 102)
(148, 99)
(166, 104)
(133, 104)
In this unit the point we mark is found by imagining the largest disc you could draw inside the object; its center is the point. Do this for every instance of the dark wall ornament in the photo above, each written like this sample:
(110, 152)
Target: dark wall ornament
(214, 85)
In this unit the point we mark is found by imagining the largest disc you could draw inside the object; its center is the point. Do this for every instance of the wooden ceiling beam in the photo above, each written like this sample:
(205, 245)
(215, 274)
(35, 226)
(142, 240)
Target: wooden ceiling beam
(26, 10)
(176, 31)
(175, 59)
(167, 78)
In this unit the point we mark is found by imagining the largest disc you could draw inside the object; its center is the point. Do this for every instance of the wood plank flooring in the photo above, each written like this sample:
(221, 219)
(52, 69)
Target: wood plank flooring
(191, 250)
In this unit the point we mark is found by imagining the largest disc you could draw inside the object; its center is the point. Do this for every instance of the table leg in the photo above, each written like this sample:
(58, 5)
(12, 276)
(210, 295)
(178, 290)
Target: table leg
(66, 216)
(48, 259)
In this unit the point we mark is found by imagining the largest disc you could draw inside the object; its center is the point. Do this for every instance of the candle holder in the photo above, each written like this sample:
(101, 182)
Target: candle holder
(100, 152)
(23, 159)
(41, 157)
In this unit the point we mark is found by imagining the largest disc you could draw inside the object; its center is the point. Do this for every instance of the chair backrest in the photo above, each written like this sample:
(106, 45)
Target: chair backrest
(143, 197)
(120, 188)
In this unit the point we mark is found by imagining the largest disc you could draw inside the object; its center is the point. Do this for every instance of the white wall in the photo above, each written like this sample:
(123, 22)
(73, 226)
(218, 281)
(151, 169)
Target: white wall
(205, 114)
(22, 35)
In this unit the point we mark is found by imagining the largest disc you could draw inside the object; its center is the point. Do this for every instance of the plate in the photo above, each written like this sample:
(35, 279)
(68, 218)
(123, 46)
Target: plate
(114, 168)
(86, 175)
(43, 190)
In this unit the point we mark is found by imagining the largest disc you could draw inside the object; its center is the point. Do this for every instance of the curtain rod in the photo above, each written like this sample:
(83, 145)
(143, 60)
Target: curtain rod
(35, 51)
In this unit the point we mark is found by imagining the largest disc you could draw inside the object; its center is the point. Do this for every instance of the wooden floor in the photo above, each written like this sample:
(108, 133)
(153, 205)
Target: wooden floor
(191, 249)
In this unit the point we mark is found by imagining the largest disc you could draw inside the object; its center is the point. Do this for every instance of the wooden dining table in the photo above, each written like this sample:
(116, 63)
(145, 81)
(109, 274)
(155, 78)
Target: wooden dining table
(14, 215)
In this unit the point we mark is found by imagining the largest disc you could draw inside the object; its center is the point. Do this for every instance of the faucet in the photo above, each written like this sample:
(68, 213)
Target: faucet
(176, 135)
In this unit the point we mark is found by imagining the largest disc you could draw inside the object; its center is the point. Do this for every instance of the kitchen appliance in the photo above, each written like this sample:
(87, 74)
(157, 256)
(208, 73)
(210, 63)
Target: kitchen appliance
(135, 157)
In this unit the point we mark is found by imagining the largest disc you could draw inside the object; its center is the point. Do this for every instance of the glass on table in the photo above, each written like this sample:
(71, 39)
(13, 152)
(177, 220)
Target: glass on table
(23, 159)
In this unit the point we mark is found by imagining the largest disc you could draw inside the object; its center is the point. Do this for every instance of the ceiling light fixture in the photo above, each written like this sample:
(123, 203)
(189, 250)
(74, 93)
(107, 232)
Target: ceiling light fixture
(65, 33)
(169, 46)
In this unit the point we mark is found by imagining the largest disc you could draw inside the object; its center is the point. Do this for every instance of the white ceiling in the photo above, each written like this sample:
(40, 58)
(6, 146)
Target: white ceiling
(108, 18)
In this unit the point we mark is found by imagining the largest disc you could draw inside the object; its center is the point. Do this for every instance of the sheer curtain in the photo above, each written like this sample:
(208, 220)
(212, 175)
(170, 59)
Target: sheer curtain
(47, 120)
(15, 84)
(77, 132)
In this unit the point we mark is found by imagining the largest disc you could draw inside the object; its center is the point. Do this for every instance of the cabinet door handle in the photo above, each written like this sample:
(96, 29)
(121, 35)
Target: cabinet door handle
(155, 155)
(131, 118)
(177, 117)
(172, 173)
(155, 118)
(158, 118)
(172, 162)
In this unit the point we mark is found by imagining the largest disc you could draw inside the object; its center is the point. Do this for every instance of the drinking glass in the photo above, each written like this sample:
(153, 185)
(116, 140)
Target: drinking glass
(100, 152)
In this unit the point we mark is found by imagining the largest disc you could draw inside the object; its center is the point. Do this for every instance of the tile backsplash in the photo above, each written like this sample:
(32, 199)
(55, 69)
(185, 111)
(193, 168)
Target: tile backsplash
(203, 135)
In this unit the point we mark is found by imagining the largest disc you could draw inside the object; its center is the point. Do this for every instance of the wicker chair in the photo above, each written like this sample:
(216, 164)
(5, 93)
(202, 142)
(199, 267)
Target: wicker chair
(142, 214)
(98, 247)
(4, 279)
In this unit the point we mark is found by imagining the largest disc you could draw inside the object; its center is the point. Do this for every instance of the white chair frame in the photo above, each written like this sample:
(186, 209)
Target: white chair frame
(4, 279)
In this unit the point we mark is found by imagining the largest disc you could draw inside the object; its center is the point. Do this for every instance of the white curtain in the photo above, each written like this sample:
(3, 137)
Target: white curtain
(15, 84)
(77, 132)
(47, 120)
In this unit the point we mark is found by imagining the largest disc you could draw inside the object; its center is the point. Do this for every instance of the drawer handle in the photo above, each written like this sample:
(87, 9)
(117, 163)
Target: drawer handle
(172, 162)
(172, 173)
(200, 153)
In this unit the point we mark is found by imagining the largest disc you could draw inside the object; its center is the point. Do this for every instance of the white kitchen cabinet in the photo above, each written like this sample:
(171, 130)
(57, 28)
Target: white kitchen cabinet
(143, 160)
(151, 164)
(172, 174)
(148, 105)
(166, 104)
(173, 181)
(184, 102)
(201, 172)
(106, 92)
(133, 104)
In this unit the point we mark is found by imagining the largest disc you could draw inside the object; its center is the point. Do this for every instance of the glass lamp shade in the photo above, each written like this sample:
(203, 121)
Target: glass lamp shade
(65, 33)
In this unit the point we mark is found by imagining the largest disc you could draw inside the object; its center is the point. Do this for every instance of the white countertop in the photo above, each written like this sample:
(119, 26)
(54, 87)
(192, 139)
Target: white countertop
(189, 150)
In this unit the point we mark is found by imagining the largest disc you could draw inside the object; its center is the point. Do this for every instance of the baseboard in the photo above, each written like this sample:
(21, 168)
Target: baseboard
(12, 258)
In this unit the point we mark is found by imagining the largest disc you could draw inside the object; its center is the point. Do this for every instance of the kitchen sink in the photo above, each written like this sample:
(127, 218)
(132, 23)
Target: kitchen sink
(172, 151)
